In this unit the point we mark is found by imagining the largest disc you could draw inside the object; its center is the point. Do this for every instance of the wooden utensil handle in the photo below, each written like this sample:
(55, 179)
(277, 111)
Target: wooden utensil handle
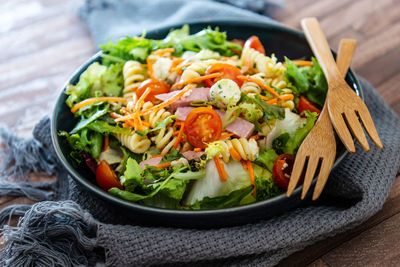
(320, 47)
(345, 54)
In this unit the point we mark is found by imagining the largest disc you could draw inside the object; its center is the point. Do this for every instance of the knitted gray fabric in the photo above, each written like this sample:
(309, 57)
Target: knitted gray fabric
(76, 228)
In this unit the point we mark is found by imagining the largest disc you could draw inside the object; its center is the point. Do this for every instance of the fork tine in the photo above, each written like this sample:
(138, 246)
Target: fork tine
(296, 173)
(311, 167)
(356, 129)
(342, 130)
(369, 126)
(326, 166)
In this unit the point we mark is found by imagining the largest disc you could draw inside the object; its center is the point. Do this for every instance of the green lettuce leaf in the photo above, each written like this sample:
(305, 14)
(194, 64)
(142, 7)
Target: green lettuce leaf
(97, 80)
(171, 156)
(105, 128)
(269, 111)
(265, 184)
(133, 175)
(294, 143)
(267, 159)
(159, 125)
(231, 200)
(84, 122)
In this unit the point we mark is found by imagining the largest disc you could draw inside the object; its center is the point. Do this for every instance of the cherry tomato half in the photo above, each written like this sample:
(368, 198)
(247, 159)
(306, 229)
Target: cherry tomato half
(202, 125)
(254, 42)
(157, 87)
(282, 170)
(106, 177)
(228, 72)
(304, 104)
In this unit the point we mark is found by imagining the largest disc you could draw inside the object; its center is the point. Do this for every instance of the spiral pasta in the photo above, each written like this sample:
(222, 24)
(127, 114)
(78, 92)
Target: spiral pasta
(164, 139)
(261, 63)
(133, 76)
(250, 88)
(154, 117)
(135, 143)
(195, 70)
(281, 84)
(247, 149)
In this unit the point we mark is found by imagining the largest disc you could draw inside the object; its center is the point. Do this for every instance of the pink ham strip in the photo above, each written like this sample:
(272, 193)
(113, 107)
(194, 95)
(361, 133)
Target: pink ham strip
(240, 127)
(150, 162)
(182, 112)
(197, 94)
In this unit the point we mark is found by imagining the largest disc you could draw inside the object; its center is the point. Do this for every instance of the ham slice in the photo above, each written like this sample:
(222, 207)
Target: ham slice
(189, 155)
(182, 112)
(196, 94)
(240, 127)
(150, 162)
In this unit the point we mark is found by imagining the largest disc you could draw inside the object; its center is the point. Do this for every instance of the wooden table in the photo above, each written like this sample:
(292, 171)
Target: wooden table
(44, 41)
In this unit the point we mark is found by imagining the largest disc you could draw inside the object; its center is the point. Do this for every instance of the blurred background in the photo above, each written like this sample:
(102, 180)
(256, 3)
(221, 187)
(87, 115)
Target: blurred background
(42, 42)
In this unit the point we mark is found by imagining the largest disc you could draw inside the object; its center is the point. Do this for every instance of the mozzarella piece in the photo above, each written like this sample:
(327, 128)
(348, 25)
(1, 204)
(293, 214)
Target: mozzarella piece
(225, 92)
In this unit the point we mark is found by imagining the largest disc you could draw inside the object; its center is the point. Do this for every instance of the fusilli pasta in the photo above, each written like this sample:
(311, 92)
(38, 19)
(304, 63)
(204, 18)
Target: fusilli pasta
(247, 149)
(135, 143)
(261, 63)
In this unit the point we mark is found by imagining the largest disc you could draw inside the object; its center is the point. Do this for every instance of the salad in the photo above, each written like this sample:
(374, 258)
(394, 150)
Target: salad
(192, 121)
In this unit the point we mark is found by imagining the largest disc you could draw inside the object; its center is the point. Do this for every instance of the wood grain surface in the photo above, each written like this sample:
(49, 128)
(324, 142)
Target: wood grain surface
(44, 41)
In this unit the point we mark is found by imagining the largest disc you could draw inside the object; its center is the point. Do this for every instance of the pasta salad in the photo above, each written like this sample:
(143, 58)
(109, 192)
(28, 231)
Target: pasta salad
(192, 121)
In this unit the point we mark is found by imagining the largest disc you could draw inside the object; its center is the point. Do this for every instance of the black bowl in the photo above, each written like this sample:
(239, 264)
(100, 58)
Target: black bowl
(276, 39)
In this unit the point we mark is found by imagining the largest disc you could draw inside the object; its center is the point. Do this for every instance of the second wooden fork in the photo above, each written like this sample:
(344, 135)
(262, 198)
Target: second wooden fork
(320, 143)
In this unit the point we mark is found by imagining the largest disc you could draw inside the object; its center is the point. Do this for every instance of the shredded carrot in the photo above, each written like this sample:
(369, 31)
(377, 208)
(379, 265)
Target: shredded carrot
(163, 165)
(259, 83)
(174, 63)
(179, 138)
(96, 100)
(251, 171)
(221, 169)
(225, 135)
(179, 68)
(197, 149)
(302, 62)
(157, 156)
(160, 52)
(150, 68)
(279, 99)
(167, 102)
(234, 153)
(264, 97)
(143, 65)
(105, 146)
(115, 115)
(244, 164)
(197, 79)
(255, 137)
(139, 102)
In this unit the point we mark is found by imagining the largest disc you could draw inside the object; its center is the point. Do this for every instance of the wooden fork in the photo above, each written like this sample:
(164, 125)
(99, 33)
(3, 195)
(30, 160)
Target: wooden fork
(320, 143)
(344, 105)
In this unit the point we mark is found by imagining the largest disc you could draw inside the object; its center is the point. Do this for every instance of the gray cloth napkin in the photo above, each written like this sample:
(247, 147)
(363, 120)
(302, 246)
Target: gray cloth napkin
(75, 228)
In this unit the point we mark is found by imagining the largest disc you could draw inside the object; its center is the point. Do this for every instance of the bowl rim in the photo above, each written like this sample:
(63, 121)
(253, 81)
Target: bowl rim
(163, 211)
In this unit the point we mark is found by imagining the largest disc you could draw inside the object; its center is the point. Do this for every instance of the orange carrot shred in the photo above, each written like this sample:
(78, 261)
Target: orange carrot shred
(105, 146)
(163, 165)
(174, 63)
(251, 171)
(255, 137)
(157, 156)
(259, 83)
(150, 68)
(179, 68)
(244, 164)
(234, 153)
(279, 99)
(225, 135)
(96, 100)
(115, 115)
(160, 52)
(301, 62)
(197, 149)
(179, 138)
(197, 79)
(221, 169)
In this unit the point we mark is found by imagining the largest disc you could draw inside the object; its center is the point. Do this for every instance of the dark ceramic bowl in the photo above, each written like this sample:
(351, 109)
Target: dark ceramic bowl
(276, 39)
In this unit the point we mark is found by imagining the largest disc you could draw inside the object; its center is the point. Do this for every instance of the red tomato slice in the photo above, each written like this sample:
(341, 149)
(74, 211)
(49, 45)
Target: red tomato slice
(106, 177)
(254, 42)
(304, 104)
(229, 72)
(157, 87)
(202, 125)
(282, 170)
